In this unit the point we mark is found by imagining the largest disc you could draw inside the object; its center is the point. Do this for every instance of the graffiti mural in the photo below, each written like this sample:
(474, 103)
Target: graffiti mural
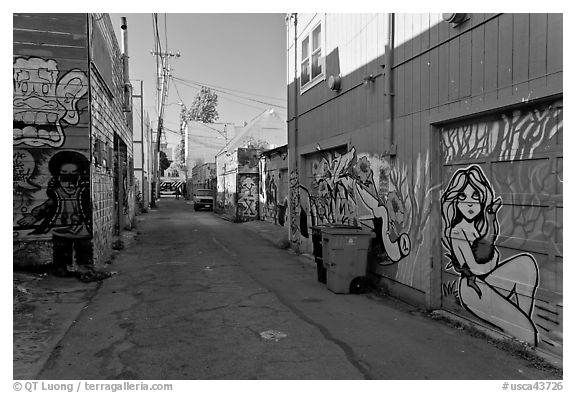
(294, 207)
(44, 101)
(499, 292)
(248, 197)
(24, 166)
(271, 197)
(66, 214)
(343, 189)
(274, 198)
(26, 180)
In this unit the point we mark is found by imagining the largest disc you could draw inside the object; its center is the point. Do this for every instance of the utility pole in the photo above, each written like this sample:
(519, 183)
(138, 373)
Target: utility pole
(163, 74)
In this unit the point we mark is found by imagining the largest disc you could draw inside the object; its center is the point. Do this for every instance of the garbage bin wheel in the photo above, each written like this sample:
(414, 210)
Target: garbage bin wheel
(359, 285)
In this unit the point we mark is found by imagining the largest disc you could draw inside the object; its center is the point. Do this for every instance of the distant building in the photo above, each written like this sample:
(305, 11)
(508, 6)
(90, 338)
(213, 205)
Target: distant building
(237, 166)
(265, 131)
(204, 141)
(143, 150)
(203, 177)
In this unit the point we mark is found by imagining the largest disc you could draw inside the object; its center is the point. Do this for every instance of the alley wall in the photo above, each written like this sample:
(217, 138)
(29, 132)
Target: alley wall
(422, 104)
(73, 159)
(51, 135)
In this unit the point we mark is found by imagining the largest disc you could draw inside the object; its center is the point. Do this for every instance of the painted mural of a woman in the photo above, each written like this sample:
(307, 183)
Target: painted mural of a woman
(500, 292)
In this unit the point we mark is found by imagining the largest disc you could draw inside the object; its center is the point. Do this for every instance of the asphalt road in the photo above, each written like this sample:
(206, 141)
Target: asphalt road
(198, 297)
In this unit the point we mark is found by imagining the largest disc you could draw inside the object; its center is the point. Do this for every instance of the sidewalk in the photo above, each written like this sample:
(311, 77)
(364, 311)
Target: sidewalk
(45, 307)
(278, 235)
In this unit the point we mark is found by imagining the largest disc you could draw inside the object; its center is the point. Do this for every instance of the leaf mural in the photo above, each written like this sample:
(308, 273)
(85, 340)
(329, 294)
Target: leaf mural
(353, 189)
(410, 207)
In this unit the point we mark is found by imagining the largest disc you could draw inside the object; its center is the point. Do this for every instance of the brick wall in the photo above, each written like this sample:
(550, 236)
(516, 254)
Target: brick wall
(107, 118)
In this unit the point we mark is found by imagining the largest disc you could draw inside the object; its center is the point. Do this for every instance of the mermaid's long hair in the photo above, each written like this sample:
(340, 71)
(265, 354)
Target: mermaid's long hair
(451, 215)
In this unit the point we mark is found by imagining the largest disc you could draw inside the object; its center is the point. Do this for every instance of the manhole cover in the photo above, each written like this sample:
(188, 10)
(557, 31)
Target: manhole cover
(273, 335)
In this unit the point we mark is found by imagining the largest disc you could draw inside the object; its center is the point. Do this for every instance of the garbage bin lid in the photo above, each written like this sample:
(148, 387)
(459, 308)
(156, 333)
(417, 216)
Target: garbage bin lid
(347, 231)
(343, 226)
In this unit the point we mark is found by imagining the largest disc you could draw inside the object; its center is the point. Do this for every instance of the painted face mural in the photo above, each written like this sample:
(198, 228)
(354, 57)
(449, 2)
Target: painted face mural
(43, 103)
(499, 292)
(67, 210)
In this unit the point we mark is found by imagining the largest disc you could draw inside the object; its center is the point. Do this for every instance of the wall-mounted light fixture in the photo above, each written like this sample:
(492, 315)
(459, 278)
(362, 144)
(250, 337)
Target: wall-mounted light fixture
(335, 82)
(369, 79)
(455, 19)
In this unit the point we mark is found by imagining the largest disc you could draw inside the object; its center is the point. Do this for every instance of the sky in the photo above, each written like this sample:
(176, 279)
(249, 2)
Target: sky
(242, 55)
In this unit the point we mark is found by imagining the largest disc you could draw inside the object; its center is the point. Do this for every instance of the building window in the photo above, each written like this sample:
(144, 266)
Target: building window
(312, 64)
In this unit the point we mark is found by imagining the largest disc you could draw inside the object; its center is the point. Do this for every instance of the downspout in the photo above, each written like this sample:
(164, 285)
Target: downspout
(294, 148)
(120, 180)
(389, 146)
(125, 68)
(295, 15)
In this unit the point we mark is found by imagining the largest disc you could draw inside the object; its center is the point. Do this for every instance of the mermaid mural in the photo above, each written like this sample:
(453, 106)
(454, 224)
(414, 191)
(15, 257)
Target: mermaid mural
(499, 292)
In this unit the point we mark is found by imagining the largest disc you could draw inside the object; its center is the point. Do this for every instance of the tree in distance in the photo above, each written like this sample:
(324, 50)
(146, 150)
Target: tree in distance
(204, 107)
(164, 163)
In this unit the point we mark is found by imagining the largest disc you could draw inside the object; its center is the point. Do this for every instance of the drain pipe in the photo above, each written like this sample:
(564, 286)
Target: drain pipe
(295, 15)
(127, 103)
(293, 138)
(389, 146)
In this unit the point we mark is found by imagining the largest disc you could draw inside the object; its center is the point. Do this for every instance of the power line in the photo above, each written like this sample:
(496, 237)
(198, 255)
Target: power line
(225, 92)
(226, 98)
(226, 88)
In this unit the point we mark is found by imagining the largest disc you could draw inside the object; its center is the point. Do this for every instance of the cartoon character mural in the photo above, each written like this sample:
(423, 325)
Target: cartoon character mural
(66, 213)
(247, 197)
(43, 102)
(499, 292)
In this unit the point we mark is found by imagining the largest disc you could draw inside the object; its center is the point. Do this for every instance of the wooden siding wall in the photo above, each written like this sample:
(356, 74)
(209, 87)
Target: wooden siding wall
(50, 60)
(354, 48)
(490, 58)
(441, 73)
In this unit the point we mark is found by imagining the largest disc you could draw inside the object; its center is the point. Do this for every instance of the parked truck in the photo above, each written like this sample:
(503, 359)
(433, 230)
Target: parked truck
(203, 199)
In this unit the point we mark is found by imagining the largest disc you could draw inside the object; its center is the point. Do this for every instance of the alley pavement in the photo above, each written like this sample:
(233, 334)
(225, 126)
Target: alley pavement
(199, 297)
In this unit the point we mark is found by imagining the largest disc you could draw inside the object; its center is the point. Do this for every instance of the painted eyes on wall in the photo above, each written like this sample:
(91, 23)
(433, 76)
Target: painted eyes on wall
(475, 196)
(45, 87)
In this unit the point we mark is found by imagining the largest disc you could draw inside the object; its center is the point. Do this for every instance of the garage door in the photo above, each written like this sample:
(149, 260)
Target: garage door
(502, 223)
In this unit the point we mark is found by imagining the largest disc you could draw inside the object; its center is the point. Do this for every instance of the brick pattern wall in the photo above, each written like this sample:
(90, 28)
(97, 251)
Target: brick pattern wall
(103, 214)
(107, 118)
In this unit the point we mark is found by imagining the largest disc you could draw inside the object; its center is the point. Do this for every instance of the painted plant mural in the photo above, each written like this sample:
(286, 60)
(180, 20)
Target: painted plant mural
(500, 292)
(353, 189)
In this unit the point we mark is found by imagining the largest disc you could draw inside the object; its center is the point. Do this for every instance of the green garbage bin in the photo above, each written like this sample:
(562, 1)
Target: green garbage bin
(345, 253)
